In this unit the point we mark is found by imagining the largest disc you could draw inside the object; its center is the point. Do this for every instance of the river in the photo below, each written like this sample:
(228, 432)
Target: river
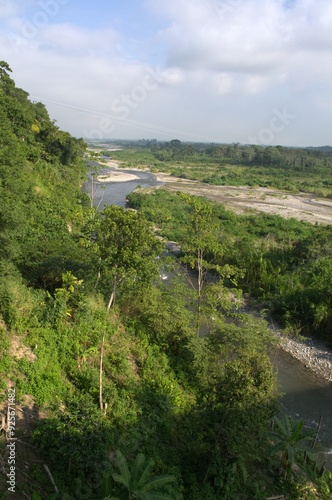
(115, 193)
(305, 396)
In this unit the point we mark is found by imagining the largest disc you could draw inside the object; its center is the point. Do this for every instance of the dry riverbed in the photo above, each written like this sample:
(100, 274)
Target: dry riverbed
(243, 199)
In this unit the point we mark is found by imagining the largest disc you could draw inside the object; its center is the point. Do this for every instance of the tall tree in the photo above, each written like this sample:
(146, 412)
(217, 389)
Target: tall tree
(204, 250)
(126, 249)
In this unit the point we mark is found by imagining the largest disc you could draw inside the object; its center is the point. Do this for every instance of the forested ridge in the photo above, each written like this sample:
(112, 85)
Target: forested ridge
(116, 391)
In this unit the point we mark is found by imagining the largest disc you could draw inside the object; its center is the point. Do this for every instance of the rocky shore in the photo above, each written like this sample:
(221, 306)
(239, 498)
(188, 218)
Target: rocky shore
(315, 355)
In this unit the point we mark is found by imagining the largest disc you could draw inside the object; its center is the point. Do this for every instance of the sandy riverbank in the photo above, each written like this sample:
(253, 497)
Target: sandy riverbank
(117, 177)
(116, 165)
(118, 173)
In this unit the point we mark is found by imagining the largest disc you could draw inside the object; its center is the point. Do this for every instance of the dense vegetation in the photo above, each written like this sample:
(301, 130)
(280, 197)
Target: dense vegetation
(283, 264)
(292, 169)
(132, 402)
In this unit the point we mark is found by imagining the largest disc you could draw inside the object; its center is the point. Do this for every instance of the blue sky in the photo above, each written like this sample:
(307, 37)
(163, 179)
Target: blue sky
(248, 71)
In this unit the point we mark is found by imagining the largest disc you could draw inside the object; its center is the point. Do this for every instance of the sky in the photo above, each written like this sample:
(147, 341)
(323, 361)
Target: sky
(222, 71)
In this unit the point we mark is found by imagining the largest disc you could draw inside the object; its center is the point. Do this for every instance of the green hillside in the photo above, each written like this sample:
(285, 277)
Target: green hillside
(116, 395)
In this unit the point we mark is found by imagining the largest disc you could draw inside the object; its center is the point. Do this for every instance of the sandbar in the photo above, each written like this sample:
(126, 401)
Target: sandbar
(117, 177)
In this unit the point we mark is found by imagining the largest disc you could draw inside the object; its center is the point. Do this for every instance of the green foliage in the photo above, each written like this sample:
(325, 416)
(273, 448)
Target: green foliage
(138, 482)
(162, 312)
(5, 359)
(39, 187)
(290, 441)
(19, 306)
(200, 406)
(66, 299)
(283, 263)
(41, 369)
(125, 250)
(163, 208)
(325, 485)
(80, 436)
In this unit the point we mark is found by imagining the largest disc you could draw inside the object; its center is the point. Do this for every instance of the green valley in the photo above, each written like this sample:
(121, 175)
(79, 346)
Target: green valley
(117, 396)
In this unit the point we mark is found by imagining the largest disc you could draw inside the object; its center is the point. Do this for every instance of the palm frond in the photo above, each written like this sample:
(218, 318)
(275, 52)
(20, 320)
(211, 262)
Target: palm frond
(124, 470)
(158, 482)
(145, 474)
(137, 469)
(119, 478)
(106, 484)
(297, 432)
(152, 495)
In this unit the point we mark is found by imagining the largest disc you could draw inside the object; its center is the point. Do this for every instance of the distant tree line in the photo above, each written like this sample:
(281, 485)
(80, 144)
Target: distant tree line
(271, 156)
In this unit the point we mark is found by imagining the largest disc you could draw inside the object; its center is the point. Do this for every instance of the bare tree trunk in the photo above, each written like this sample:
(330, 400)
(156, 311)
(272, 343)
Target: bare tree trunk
(317, 432)
(92, 192)
(199, 265)
(200, 285)
(100, 201)
(98, 273)
(51, 478)
(112, 297)
(101, 405)
(110, 302)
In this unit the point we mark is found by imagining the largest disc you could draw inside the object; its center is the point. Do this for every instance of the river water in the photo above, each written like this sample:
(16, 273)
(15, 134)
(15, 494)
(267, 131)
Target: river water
(305, 396)
(115, 193)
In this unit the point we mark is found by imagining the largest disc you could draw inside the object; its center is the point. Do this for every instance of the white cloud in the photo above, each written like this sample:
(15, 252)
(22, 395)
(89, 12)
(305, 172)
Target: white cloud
(216, 69)
(8, 9)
